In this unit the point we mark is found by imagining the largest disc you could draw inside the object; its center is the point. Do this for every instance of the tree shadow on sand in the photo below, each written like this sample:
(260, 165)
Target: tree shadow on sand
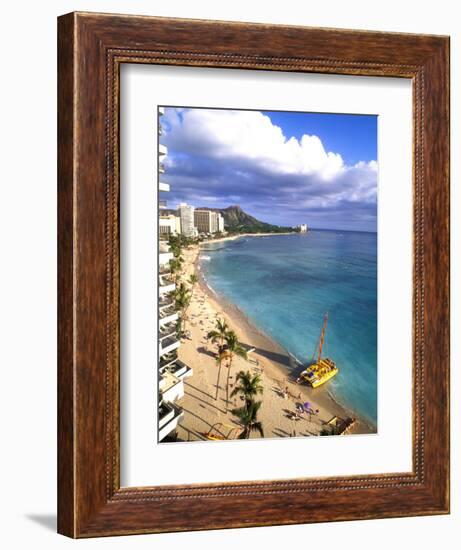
(205, 402)
(280, 433)
(205, 351)
(199, 390)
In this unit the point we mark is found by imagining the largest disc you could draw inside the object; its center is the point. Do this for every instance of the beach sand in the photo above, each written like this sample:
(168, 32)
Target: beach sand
(205, 404)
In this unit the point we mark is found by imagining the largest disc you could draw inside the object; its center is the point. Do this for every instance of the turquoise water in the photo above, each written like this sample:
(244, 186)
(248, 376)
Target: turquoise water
(286, 283)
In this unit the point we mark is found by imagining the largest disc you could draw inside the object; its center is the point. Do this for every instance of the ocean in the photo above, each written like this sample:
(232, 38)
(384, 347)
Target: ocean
(284, 284)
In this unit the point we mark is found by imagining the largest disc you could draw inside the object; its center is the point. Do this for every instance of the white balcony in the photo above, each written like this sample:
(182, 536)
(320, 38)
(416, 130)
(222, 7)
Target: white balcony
(172, 318)
(165, 257)
(168, 344)
(162, 149)
(166, 289)
(171, 387)
(164, 269)
(180, 370)
(165, 302)
(167, 360)
(169, 416)
(167, 331)
(165, 279)
(163, 186)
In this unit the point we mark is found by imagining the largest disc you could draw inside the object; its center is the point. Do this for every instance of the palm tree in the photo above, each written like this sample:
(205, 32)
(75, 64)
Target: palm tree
(249, 386)
(193, 280)
(182, 302)
(175, 267)
(219, 359)
(218, 335)
(248, 417)
(233, 347)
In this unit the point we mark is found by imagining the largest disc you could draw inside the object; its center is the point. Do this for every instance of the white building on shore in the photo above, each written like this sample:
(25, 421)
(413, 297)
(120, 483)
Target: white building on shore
(302, 228)
(208, 221)
(169, 225)
(220, 223)
(186, 214)
(171, 371)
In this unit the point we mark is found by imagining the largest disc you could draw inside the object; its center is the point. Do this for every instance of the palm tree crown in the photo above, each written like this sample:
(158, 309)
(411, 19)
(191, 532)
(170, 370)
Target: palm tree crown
(248, 417)
(248, 385)
(218, 335)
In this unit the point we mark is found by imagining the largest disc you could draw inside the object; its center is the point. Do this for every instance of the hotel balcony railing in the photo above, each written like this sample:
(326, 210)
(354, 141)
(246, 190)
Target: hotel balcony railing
(165, 280)
(165, 302)
(164, 269)
(167, 289)
(168, 340)
(180, 369)
(169, 416)
(167, 360)
(167, 345)
(168, 333)
(164, 247)
(169, 319)
(167, 311)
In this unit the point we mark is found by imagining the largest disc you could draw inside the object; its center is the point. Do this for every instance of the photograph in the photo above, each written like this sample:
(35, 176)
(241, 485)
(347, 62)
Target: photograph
(267, 274)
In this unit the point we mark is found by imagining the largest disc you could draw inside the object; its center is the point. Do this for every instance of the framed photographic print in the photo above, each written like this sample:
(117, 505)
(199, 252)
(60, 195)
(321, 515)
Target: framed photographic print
(253, 275)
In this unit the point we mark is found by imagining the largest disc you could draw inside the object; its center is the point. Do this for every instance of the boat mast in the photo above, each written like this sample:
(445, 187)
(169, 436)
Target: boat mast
(322, 336)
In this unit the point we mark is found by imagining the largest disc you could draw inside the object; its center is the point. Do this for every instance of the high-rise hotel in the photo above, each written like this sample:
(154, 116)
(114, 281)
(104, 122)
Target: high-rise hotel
(208, 221)
(171, 370)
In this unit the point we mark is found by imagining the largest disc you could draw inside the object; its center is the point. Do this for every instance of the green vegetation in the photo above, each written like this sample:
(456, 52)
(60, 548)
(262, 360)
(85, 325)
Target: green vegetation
(233, 348)
(249, 386)
(218, 337)
(248, 417)
(182, 298)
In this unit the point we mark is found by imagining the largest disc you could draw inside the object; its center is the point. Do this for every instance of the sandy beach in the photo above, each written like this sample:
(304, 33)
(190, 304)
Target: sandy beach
(207, 403)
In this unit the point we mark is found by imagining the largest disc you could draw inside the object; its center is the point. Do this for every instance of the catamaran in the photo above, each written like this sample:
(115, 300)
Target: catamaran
(323, 369)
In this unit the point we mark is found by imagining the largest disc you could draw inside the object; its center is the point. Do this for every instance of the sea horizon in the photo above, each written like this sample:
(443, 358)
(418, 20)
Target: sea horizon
(335, 272)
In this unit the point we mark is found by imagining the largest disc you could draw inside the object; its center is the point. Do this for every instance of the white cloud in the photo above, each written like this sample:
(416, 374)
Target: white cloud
(247, 145)
(250, 135)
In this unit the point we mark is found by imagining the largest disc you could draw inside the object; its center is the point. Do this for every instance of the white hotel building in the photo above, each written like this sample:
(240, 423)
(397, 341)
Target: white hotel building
(171, 370)
(186, 215)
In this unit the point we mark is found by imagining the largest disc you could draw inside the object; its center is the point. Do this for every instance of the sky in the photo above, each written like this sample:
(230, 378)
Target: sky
(283, 168)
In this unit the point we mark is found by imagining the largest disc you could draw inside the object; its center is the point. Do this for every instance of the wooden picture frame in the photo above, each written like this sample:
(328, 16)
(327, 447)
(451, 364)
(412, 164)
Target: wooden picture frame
(91, 49)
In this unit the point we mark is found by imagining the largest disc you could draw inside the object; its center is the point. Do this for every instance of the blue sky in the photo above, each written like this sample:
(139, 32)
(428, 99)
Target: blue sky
(283, 168)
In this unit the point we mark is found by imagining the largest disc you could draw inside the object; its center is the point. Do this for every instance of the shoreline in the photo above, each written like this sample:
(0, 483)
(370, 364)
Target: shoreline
(207, 402)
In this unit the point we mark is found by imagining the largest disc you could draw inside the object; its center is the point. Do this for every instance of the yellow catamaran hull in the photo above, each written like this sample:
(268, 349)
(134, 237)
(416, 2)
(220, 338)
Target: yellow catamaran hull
(319, 373)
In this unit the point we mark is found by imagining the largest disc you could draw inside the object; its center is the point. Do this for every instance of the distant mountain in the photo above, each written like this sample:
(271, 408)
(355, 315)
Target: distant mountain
(235, 219)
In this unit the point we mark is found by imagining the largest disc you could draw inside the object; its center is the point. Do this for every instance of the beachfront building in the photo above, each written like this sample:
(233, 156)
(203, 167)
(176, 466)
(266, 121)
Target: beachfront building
(186, 214)
(206, 221)
(171, 371)
(220, 223)
(302, 228)
(169, 225)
